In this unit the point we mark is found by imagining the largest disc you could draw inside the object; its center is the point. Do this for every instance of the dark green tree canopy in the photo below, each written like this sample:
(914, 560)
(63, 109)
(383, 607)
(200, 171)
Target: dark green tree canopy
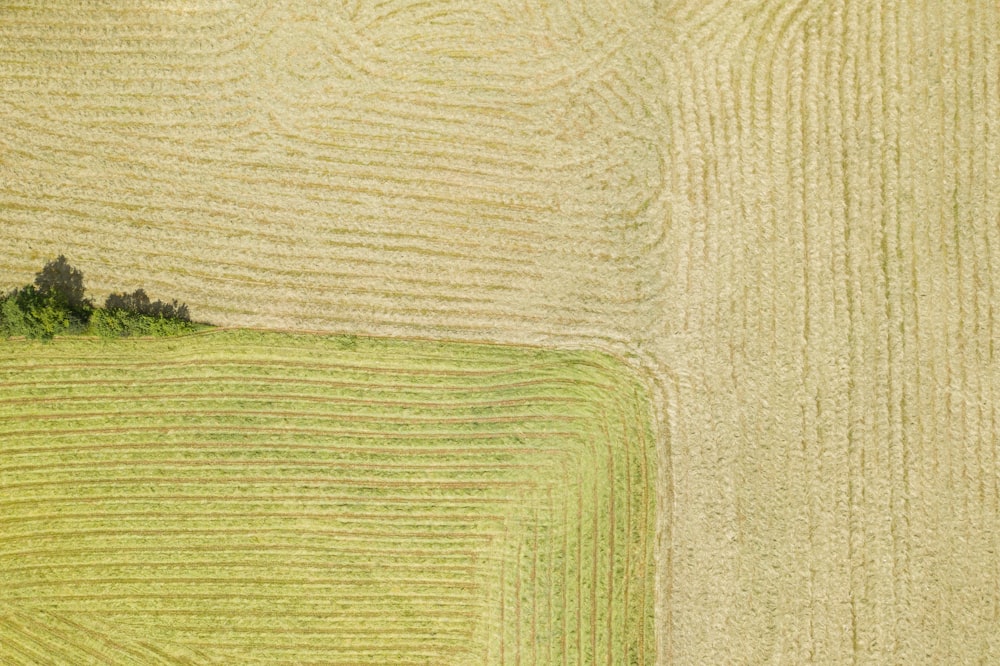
(36, 315)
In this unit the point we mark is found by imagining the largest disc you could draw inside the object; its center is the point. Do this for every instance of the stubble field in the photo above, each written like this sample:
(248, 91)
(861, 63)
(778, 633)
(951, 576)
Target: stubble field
(784, 214)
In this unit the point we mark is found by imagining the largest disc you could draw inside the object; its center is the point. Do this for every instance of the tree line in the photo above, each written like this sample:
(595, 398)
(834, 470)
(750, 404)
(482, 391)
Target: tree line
(56, 304)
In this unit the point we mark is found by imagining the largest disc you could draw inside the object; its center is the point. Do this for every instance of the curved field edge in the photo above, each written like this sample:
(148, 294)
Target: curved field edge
(261, 497)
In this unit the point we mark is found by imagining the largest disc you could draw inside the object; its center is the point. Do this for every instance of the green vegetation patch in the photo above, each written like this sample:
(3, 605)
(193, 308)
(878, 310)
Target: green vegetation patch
(241, 497)
(56, 305)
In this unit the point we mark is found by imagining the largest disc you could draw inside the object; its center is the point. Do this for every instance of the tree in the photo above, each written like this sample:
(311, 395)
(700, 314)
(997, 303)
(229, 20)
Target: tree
(58, 277)
(55, 304)
(33, 314)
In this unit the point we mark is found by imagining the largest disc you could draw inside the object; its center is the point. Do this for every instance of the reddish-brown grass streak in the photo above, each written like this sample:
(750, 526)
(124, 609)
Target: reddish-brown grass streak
(436, 500)
(260, 379)
(222, 580)
(278, 463)
(291, 529)
(292, 446)
(294, 397)
(318, 480)
(173, 514)
(303, 614)
(175, 595)
(257, 548)
(322, 416)
(317, 366)
(25, 617)
(310, 431)
(188, 563)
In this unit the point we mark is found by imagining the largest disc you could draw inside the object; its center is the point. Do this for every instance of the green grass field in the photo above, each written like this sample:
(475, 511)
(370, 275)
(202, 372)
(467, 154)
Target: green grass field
(245, 497)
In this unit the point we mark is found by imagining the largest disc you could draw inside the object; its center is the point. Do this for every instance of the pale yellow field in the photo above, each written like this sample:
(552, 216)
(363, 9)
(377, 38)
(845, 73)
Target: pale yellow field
(785, 213)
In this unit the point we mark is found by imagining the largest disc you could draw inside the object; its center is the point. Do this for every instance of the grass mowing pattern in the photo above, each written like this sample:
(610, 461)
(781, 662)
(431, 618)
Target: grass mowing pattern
(789, 209)
(255, 497)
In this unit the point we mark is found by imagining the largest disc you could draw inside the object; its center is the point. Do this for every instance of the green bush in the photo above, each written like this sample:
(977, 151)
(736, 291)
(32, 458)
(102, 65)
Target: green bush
(56, 305)
(123, 324)
(108, 324)
(166, 326)
(37, 315)
(11, 317)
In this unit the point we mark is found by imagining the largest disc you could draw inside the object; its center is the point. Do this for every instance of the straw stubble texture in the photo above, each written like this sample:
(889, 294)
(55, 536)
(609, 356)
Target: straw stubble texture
(786, 212)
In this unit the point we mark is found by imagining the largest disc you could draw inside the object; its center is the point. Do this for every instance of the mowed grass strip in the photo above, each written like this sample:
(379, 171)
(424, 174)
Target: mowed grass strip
(273, 498)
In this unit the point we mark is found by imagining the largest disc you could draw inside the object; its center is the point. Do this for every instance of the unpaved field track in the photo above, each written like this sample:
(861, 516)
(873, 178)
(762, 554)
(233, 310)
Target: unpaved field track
(786, 212)
(268, 498)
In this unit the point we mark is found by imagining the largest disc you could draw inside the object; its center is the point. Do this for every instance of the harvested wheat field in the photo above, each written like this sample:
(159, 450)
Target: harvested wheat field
(241, 497)
(783, 215)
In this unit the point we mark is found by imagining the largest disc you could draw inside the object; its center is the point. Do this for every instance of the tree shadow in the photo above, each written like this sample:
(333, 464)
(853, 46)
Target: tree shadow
(60, 279)
(139, 303)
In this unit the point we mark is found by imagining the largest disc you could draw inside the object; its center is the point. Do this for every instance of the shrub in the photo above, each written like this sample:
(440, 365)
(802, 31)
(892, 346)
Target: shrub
(55, 304)
(11, 317)
(166, 326)
(36, 315)
(109, 323)
(122, 324)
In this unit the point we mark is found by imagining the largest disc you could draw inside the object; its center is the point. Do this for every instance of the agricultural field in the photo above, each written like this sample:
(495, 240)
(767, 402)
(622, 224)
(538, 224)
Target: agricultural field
(781, 214)
(249, 497)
